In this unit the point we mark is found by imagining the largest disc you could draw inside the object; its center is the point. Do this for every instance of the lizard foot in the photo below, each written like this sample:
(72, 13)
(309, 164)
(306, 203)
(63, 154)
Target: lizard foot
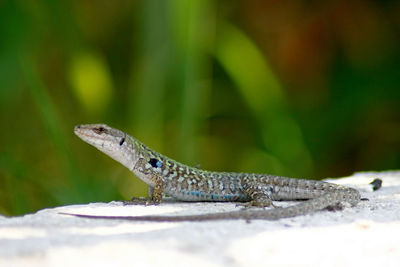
(139, 201)
(257, 203)
(337, 207)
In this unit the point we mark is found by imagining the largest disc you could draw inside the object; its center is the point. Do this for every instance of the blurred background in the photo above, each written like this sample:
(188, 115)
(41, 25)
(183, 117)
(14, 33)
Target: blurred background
(297, 88)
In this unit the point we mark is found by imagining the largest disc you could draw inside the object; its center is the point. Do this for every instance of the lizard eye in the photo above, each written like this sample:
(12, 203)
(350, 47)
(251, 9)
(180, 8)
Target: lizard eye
(155, 163)
(99, 130)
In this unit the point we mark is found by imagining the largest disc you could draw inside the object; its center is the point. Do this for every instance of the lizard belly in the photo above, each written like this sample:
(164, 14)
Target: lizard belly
(198, 193)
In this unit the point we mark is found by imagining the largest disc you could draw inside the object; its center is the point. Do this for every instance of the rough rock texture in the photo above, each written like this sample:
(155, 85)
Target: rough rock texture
(365, 235)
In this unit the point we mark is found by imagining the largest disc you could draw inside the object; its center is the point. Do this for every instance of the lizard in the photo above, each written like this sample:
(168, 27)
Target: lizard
(167, 176)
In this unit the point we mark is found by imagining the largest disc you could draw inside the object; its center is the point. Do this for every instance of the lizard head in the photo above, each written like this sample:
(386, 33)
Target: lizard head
(112, 142)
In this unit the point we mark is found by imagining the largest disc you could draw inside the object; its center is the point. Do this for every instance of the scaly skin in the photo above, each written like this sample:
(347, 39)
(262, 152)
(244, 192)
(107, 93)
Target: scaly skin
(167, 176)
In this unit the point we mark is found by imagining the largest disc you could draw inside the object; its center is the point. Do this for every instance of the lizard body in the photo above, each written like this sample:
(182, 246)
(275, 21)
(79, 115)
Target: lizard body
(167, 176)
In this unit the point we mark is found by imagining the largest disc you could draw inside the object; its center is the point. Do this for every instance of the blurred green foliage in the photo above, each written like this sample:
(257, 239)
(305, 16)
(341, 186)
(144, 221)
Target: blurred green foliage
(299, 88)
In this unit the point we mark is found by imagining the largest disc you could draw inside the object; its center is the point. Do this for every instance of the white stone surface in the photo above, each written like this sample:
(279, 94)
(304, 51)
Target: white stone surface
(365, 235)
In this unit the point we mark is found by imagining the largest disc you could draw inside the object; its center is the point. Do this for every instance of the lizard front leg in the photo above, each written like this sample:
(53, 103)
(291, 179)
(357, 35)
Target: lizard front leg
(154, 196)
(157, 192)
(150, 172)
